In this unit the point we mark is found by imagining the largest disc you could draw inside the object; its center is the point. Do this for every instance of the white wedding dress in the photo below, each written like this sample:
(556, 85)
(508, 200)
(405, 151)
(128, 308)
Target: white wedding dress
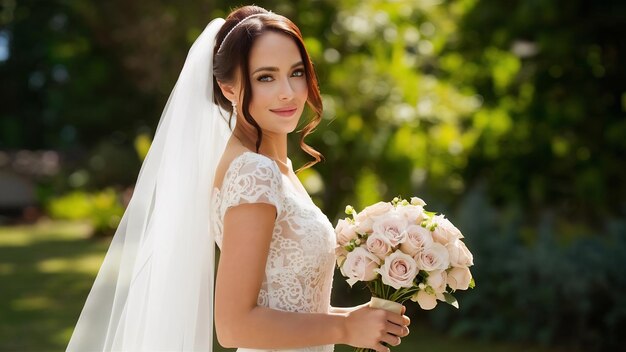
(300, 265)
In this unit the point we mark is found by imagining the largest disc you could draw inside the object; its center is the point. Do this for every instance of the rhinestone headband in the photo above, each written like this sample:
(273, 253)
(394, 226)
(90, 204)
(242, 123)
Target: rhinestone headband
(239, 23)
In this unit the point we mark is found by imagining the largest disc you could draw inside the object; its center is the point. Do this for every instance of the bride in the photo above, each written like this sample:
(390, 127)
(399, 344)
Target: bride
(218, 172)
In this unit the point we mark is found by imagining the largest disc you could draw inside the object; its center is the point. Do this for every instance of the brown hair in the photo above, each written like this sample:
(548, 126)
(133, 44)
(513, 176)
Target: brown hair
(233, 54)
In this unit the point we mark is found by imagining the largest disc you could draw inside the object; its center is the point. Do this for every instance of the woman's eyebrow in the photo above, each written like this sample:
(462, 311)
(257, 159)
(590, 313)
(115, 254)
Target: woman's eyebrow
(275, 69)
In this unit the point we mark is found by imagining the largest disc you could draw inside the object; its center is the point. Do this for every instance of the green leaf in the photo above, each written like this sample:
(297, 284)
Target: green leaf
(430, 214)
(451, 300)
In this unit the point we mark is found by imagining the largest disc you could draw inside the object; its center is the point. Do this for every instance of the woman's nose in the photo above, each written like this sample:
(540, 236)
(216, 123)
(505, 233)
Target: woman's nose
(286, 90)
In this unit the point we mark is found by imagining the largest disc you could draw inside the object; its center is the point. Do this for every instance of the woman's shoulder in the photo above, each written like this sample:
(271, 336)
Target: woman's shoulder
(238, 161)
(248, 177)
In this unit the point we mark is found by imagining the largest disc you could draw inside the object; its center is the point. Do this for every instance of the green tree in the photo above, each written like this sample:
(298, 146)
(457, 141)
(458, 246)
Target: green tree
(557, 125)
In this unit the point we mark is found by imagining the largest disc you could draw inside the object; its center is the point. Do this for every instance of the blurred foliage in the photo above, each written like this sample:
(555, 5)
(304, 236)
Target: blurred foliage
(142, 145)
(392, 125)
(434, 98)
(102, 209)
(566, 138)
(539, 288)
(423, 97)
(520, 101)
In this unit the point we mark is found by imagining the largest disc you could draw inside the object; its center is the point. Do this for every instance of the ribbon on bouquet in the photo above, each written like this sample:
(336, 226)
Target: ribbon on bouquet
(387, 305)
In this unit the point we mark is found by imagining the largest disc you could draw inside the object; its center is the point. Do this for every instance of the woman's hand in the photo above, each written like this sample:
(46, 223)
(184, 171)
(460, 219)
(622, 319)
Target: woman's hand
(368, 327)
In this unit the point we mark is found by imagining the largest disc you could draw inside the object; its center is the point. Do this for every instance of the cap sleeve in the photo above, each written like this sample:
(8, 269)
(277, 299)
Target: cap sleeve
(253, 178)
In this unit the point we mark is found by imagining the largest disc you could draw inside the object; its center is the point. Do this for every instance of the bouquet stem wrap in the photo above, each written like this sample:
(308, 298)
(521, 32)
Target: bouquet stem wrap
(387, 305)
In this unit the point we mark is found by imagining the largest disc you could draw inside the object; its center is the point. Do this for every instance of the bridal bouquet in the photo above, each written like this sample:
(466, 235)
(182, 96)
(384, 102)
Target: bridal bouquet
(402, 251)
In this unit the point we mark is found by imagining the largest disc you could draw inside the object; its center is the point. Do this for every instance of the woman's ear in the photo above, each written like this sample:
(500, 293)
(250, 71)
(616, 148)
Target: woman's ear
(229, 90)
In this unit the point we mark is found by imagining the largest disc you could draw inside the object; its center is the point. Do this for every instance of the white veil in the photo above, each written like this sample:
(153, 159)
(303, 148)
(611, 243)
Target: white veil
(154, 291)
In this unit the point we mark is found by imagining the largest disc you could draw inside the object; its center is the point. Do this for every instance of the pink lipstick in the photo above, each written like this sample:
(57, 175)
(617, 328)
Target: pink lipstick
(285, 112)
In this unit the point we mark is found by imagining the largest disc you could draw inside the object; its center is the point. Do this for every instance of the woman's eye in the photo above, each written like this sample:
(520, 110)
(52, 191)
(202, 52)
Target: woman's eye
(298, 73)
(265, 78)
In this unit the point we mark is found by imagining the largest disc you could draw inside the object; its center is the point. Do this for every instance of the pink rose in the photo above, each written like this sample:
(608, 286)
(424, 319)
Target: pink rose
(399, 270)
(360, 265)
(346, 231)
(459, 254)
(364, 226)
(459, 278)
(365, 219)
(417, 238)
(432, 258)
(445, 230)
(378, 245)
(392, 226)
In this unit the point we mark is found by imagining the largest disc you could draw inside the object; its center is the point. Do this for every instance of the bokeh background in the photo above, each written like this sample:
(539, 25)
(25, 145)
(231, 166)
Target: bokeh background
(507, 116)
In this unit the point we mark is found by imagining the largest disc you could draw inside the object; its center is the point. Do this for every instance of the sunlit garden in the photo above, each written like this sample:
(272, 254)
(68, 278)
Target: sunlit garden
(509, 117)
(48, 268)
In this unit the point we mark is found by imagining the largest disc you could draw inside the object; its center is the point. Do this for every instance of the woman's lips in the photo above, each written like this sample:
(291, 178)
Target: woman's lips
(285, 112)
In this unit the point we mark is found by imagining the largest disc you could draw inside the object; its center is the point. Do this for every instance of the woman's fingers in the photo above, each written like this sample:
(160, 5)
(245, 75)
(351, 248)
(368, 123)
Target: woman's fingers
(381, 348)
(398, 319)
(374, 327)
(397, 330)
(392, 340)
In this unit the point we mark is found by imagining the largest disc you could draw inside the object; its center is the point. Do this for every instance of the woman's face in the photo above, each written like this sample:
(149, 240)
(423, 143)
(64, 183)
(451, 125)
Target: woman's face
(278, 81)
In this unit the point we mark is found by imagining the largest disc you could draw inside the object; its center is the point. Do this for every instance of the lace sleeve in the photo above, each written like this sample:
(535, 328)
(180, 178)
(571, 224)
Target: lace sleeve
(253, 179)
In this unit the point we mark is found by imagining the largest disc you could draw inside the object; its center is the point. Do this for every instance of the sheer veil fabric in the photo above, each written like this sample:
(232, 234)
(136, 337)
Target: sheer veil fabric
(154, 291)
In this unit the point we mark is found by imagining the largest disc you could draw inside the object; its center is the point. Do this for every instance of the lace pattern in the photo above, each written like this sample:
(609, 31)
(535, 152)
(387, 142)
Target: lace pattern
(300, 263)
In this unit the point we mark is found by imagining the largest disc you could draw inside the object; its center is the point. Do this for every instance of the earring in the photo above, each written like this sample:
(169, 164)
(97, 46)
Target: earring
(234, 103)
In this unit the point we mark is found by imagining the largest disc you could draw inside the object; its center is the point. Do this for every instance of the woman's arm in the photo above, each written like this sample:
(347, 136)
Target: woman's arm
(343, 310)
(240, 322)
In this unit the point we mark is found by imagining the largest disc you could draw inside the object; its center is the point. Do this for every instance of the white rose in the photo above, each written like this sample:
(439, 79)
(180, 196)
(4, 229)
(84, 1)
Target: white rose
(445, 230)
(360, 265)
(365, 219)
(413, 214)
(377, 209)
(399, 270)
(437, 280)
(391, 225)
(345, 231)
(417, 201)
(459, 254)
(459, 278)
(378, 244)
(417, 238)
(432, 258)
(425, 300)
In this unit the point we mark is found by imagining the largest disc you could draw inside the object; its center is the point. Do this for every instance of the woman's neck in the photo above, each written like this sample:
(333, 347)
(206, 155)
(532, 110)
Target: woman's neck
(274, 146)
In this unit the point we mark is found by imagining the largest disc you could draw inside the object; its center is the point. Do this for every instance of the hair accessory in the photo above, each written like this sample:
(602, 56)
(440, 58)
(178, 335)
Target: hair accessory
(239, 23)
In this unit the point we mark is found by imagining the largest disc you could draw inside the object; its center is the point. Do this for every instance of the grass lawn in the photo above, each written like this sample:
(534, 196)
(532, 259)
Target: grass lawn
(47, 269)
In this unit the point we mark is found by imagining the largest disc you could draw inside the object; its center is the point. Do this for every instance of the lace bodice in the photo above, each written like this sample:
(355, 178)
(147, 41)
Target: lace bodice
(300, 264)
